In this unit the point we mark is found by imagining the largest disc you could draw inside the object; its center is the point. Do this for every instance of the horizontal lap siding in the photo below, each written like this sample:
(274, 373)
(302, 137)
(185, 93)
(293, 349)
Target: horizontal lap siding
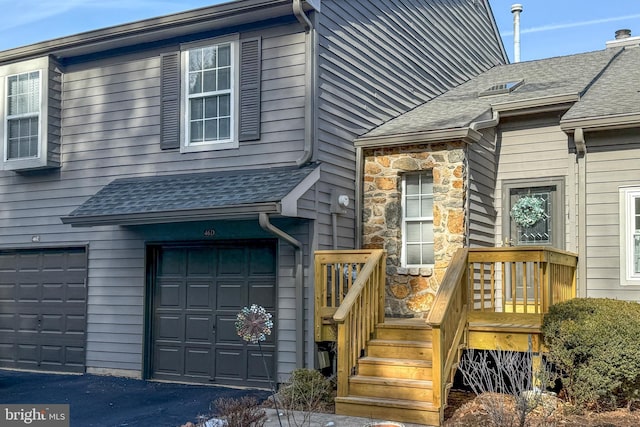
(110, 121)
(612, 162)
(482, 164)
(378, 59)
(530, 150)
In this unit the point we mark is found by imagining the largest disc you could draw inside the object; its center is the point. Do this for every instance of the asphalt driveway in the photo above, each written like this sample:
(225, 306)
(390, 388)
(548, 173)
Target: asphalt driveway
(116, 402)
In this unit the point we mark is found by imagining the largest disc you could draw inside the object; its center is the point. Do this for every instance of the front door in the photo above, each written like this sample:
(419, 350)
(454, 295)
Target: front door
(196, 293)
(533, 215)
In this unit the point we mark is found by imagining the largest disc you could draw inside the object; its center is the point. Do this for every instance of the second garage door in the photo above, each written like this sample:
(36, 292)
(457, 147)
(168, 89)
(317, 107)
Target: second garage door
(196, 293)
(43, 309)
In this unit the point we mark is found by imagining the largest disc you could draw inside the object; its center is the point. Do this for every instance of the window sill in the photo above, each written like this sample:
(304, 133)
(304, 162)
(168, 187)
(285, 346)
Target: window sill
(214, 146)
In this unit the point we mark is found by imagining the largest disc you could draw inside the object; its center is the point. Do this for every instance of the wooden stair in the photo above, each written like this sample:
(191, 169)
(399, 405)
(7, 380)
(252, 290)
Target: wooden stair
(394, 379)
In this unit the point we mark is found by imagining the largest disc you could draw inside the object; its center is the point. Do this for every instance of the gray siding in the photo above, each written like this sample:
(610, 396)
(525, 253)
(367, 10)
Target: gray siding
(110, 129)
(531, 149)
(612, 162)
(380, 58)
(482, 171)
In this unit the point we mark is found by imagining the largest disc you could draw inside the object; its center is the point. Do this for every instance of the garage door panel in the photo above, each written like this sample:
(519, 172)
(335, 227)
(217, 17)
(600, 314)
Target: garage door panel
(230, 262)
(168, 360)
(262, 292)
(231, 295)
(170, 327)
(198, 262)
(226, 330)
(52, 323)
(230, 364)
(198, 328)
(198, 362)
(170, 294)
(199, 294)
(255, 365)
(261, 261)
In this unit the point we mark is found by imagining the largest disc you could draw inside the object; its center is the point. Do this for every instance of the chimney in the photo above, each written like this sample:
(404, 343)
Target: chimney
(516, 9)
(624, 39)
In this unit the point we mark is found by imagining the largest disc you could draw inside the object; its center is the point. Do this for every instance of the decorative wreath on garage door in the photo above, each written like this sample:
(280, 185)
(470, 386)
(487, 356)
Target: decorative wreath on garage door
(527, 211)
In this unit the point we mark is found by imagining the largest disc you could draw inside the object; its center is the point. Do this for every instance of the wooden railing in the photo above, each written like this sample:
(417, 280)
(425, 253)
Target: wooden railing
(448, 319)
(525, 279)
(355, 285)
(507, 280)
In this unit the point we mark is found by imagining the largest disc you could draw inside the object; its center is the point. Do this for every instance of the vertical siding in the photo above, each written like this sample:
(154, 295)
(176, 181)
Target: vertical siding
(531, 149)
(377, 59)
(482, 171)
(612, 162)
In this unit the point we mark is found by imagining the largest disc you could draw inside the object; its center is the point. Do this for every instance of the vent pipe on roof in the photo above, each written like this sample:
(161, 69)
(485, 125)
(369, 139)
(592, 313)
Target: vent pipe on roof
(516, 9)
(623, 34)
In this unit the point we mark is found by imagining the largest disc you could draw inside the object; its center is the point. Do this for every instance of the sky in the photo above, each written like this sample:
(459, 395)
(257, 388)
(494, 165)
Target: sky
(548, 27)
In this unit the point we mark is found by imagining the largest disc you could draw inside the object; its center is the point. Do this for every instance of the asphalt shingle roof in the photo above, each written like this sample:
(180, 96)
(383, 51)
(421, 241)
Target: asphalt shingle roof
(608, 81)
(155, 194)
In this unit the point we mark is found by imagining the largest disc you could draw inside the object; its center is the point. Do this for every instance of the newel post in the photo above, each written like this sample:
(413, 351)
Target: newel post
(343, 351)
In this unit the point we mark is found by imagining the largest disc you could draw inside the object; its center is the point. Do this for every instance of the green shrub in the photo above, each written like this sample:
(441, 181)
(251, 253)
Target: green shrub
(595, 343)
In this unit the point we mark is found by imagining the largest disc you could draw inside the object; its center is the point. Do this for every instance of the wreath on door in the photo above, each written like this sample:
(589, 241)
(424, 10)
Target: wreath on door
(527, 211)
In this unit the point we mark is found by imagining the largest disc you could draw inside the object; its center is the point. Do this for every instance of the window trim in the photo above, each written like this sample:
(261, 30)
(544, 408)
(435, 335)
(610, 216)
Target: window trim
(41, 65)
(233, 141)
(627, 196)
(405, 220)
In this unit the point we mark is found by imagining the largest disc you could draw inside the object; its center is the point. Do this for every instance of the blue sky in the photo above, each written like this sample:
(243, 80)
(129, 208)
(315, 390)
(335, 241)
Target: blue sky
(548, 27)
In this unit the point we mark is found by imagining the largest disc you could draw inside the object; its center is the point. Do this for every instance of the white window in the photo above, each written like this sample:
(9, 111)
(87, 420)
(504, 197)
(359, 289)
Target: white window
(417, 220)
(209, 95)
(630, 236)
(30, 111)
(23, 115)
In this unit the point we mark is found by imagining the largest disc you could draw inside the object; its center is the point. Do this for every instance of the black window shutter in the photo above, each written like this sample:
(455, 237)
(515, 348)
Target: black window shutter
(170, 101)
(250, 69)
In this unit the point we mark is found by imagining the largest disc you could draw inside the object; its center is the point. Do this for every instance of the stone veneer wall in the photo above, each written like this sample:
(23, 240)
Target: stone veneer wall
(411, 291)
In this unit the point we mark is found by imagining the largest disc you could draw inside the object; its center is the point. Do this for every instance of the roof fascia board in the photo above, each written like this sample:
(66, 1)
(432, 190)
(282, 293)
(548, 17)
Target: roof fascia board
(231, 212)
(553, 102)
(619, 121)
(465, 134)
(153, 29)
(289, 203)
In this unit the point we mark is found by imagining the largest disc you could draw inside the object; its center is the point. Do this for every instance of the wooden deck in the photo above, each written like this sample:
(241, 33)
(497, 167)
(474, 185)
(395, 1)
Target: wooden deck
(402, 369)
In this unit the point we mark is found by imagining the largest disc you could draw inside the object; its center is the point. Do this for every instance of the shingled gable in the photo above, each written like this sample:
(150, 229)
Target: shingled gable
(188, 197)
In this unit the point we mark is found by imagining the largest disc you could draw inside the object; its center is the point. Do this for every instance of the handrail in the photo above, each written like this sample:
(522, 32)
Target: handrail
(527, 279)
(448, 320)
(361, 310)
(335, 274)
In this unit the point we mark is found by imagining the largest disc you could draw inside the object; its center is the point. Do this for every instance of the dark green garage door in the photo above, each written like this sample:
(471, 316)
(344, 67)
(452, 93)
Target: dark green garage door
(196, 293)
(43, 309)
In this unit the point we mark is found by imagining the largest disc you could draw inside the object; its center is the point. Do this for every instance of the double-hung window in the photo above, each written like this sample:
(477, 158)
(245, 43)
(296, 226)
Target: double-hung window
(630, 236)
(30, 103)
(23, 115)
(210, 91)
(417, 220)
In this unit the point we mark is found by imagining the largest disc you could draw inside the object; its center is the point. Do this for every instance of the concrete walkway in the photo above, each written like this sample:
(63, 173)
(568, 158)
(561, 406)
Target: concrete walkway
(324, 420)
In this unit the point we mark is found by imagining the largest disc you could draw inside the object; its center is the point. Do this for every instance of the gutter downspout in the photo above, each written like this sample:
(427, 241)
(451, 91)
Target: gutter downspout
(309, 105)
(581, 157)
(266, 225)
(358, 196)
